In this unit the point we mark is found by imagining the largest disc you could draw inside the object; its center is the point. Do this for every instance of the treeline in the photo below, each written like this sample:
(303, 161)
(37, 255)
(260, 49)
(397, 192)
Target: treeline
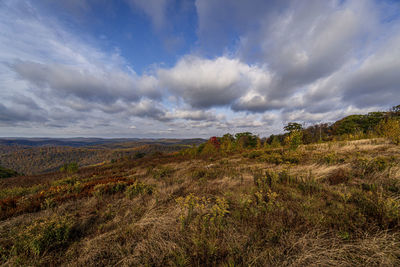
(353, 127)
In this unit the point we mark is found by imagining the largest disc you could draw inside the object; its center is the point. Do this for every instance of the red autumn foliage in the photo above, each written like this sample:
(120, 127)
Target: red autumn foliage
(214, 141)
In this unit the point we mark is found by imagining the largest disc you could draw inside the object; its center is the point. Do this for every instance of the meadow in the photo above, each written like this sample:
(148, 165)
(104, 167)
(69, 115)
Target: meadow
(335, 203)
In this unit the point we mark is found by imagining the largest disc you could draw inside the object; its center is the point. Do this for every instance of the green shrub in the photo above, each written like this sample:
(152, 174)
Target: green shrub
(44, 236)
(109, 188)
(208, 215)
(274, 157)
(163, 172)
(138, 188)
(384, 210)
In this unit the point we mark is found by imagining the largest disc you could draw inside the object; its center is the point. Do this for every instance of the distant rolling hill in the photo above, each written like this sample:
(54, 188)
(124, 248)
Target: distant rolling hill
(40, 155)
(81, 141)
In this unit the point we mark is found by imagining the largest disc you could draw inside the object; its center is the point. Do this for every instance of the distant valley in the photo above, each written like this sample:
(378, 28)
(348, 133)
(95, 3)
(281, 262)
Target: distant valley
(40, 155)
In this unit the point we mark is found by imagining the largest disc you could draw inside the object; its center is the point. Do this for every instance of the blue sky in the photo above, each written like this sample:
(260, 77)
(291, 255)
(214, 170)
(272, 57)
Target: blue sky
(192, 68)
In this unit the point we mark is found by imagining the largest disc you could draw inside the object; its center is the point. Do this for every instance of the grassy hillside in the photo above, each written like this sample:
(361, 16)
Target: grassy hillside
(329, 204)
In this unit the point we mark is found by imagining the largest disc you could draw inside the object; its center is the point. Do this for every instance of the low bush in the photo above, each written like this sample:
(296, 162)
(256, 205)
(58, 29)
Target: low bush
(109, 188)
(163, 172)
(45, 236)
(383, 210)
(138, 188)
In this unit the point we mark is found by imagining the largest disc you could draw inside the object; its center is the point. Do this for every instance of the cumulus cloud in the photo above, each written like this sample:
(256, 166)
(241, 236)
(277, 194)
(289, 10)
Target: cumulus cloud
(205, 83)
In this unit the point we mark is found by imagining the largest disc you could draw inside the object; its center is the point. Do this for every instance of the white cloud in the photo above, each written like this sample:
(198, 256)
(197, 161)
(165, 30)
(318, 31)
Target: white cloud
(205, 83)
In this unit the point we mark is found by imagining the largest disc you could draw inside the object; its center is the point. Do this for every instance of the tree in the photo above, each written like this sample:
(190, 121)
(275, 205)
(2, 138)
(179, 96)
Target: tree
(293, 126)
(395, 111)
(215, 142)
(294, 139)
(246, 140)
(227, 142)
(295, 135)
(390, 128)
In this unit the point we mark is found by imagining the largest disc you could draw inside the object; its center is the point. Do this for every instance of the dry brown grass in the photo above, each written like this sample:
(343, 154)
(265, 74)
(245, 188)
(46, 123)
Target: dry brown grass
(325, 249)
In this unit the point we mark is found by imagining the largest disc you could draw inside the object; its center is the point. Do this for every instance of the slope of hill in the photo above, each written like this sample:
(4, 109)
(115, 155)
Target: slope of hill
(7, 173)
(329, 204)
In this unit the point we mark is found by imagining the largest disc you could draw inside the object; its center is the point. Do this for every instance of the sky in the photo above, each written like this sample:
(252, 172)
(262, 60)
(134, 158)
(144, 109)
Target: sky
(192, 68)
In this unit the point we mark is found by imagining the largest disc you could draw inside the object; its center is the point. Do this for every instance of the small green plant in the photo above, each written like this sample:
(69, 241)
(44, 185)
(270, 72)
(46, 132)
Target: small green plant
(344, 235)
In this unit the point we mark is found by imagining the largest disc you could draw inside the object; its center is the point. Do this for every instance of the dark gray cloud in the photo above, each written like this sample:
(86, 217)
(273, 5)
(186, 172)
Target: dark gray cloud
(148, 109)
(377, 80)
(16, 114)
